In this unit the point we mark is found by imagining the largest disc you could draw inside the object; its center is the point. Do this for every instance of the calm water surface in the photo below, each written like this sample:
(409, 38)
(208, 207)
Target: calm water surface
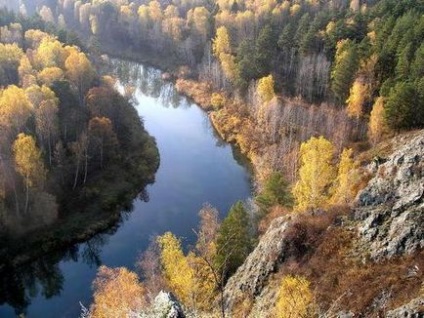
(196, 167)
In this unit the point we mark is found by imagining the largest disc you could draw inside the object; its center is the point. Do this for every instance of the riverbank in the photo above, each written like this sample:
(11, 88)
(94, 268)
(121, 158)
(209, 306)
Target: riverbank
(226, 119)
(231, 120)
(93, 209)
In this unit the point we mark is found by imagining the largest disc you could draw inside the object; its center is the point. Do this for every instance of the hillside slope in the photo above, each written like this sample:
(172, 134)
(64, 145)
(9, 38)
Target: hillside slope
(385, 233)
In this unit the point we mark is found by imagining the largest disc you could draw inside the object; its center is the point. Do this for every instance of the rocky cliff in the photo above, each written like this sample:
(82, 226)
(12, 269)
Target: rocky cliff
(387, 220)
(390, 209)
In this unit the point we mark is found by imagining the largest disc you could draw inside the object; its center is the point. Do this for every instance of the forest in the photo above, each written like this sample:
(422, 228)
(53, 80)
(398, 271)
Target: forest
(303, 87)
(350, 71)
(67, 137)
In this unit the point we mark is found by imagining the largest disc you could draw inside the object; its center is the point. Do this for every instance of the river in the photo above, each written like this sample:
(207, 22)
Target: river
(196, 167)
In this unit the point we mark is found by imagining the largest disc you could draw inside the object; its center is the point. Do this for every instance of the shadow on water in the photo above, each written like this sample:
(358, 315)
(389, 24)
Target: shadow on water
(18, 285)
(42, 276)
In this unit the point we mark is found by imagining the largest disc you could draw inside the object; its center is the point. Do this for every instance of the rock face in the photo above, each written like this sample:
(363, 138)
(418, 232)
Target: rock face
(414, 309)
(391, 207)
(389, 217)
(165, 306)
(251, 277)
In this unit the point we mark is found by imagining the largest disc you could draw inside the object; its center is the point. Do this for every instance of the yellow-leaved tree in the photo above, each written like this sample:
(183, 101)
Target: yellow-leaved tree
(221, 43)
(208, 278)
(377, 125)
(117, 293)
(266, 88)
(221, 47)
(359, 93)
(175, 267)
(316, 174)
(15, 108)
(79, 71)
(28, 163)
(347, 179)
(294, 298)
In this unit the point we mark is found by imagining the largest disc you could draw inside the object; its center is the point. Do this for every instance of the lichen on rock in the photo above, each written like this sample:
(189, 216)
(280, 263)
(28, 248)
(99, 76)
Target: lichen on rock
(391, 206)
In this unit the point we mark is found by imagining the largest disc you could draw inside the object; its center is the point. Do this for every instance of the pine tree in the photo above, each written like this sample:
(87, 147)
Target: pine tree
(345, 66)
(402, 109)
(234, 242)
(275, 192)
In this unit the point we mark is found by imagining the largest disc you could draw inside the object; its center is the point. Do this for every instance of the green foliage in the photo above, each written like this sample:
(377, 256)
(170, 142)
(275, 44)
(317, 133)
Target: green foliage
(286, 38)
(275, 192)
(346, 63)
(234, 240)
(403, 108)
(264, 50)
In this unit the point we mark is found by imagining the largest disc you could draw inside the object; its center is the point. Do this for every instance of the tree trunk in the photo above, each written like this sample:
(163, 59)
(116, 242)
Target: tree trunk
(85, 166)
(76, 176)
(15, 193)
(26, 197)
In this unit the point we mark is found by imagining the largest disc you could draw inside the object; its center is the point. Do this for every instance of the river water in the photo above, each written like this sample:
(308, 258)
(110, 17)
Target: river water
(196, 167)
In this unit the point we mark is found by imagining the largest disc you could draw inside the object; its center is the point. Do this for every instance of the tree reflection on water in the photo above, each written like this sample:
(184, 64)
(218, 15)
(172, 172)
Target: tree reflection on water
(43, 276)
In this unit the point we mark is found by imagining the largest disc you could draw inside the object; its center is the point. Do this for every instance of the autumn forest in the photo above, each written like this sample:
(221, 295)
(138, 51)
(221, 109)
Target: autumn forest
(310, 92)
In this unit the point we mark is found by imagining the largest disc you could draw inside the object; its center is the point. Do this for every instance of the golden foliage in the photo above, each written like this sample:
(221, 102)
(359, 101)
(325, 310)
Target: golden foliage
(359, 93)
(117, 292)
(294, 299)
(347, 179)
(176, 269)
(377, 125)
(79, 71)
(28, 160)
(25, 69)
(49, 75)
(15, 107)
(266, 88)
(315, 174)
(229, 66)
(217, 101)
(204, 283)
(221, 47)
(50, 53)
(221, 43)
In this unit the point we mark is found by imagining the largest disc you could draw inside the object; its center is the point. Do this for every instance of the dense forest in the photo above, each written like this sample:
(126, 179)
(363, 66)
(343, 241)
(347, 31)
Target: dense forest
(285, 70)
(300, 86)
(66, 134)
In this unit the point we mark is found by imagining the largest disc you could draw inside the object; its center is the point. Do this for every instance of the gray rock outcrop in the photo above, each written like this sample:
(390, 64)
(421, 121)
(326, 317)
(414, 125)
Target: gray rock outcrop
(414, 309)
(391, 207)
(165, 306)
(389, 218)
(251, 277)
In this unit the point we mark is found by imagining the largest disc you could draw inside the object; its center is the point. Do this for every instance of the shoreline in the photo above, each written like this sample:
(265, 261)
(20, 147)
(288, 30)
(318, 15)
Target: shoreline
(201, 94)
